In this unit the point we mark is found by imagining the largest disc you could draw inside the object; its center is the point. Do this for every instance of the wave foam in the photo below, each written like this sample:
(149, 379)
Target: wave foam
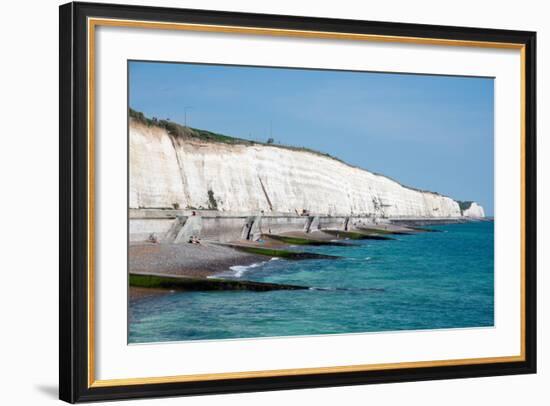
(237, 271)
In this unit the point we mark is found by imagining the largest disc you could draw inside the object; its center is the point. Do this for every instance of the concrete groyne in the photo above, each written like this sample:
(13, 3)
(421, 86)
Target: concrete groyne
(185, 283)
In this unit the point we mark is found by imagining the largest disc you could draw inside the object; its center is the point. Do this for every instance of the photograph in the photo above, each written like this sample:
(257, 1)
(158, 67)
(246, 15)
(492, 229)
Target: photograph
(257, 200)
(272, 202)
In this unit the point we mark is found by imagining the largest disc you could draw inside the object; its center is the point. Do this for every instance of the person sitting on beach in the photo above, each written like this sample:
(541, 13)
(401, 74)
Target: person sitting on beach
(194, 240)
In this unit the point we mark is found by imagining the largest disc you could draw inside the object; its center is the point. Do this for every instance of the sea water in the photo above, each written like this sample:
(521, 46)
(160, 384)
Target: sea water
(429, 280)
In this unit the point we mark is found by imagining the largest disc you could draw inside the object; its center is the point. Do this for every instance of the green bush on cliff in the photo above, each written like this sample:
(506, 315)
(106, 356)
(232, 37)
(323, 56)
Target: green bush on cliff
(464, 205)
(212, 203)
(180, 131)
(140, 117)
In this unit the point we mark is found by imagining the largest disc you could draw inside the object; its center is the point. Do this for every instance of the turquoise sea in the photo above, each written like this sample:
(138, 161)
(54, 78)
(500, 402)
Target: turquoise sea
(423, 281)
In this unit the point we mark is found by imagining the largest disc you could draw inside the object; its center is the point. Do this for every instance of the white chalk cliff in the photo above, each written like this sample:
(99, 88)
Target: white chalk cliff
(167, 171)
(474, 211)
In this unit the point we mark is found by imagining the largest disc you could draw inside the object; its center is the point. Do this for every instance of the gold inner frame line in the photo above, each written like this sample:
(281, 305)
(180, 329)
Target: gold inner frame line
(94, 22)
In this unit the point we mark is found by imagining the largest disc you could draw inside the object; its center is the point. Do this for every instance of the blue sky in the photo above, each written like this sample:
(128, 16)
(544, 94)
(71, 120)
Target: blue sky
(429, 132)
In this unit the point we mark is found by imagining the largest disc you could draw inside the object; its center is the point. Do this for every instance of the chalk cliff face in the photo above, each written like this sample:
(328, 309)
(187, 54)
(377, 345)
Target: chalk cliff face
(170, 172)
(474, 211)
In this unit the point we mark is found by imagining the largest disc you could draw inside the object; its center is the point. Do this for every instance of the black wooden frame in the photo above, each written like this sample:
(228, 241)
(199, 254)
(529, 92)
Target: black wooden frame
(73, 329)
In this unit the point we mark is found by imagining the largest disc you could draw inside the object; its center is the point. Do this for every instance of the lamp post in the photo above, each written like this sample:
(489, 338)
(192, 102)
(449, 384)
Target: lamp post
(185, 114)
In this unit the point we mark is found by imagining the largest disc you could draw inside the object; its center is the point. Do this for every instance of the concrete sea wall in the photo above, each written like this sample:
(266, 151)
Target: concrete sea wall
(174, 226)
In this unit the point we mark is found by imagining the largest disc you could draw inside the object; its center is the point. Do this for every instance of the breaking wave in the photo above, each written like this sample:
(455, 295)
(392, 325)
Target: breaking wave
(237, 271)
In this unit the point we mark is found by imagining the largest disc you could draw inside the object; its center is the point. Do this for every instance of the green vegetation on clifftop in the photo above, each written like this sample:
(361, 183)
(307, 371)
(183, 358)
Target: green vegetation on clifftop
(183, 132)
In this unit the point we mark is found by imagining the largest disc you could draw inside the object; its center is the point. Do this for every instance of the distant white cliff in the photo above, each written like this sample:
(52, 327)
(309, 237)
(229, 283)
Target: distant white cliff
(474, 211)
(168, 171)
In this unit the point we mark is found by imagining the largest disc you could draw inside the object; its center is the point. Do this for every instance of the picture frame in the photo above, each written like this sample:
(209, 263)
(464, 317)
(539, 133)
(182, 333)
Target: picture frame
(77, 283)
